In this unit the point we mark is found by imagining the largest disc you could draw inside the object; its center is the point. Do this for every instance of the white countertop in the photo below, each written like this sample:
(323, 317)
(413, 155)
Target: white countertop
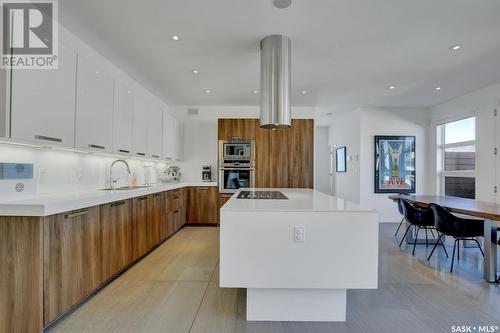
(298, 200)
(49, 204)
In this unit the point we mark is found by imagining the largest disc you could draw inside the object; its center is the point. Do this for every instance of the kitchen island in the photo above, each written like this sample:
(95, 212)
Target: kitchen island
(298, 255)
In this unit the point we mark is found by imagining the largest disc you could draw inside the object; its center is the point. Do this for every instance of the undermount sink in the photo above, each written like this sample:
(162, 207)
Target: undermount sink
(126, 188)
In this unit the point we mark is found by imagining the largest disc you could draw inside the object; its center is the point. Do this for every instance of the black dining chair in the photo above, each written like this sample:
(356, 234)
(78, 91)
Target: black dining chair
(400, 209)
(459, 228)
(419, 219)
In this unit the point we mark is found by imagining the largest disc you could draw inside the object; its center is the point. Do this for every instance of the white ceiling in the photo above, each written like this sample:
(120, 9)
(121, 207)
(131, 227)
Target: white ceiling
(345, 53)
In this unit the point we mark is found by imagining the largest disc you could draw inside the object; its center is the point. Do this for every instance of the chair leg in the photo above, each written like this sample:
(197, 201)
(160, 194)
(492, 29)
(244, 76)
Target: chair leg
(432, 233)
(415, 241)
(479, 245)
(458, 249)
(453, 256)
(444, 247)
(432, 252)
(399, 226)
(404, 236)
(426, 238)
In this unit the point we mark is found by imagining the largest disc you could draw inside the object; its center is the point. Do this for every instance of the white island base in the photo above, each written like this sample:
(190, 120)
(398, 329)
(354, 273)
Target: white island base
(296, 304)
(298, 257)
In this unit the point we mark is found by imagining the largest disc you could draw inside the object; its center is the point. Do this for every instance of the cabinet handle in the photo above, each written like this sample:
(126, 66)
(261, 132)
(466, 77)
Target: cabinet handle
(96, 146)
(116, 204)
(155, 156)
(176, 211)
(168, 158)
(202, 188)
(140, 154)
(157, 194)
(76, 214)
(124, 151)
(47, 138)
(141, 199)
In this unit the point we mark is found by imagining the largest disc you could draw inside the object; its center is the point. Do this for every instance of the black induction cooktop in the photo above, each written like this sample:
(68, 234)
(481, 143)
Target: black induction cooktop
(262, 195)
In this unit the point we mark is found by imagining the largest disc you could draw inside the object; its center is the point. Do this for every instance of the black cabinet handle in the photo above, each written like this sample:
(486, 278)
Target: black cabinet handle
(124, 151)
(116, 204)
(47, 138)
(76, 214)
(141, 154)
(143, 198)
(96, 146)
(155, 156)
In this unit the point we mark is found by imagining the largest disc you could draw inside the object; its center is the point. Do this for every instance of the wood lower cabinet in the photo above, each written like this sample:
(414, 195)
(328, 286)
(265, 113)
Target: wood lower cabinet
(202, 205)
(72, 259)
(21, 274)
(142, 225)
(117, 237)
(158, 216)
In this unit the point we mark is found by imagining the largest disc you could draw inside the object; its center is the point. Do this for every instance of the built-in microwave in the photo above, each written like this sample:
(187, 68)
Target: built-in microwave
(232, 178)
(236, 153)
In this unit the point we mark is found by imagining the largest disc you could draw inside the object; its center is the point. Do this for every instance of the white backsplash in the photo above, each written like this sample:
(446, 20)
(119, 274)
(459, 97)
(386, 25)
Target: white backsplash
(62, 171)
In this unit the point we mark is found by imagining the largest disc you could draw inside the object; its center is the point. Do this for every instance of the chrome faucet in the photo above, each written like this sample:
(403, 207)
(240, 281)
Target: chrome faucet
(112, 181)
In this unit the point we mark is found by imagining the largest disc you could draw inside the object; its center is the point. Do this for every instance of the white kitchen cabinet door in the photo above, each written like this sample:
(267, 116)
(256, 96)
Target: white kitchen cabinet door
(140, 126)
(169, 137)
(43, 103)
(94, 107)
(180, 141)
(122, 119)
(155, 129)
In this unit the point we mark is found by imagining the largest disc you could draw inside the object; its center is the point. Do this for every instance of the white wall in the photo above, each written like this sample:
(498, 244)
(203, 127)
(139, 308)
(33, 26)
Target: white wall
(356, 131)
(378, 121)
(481, 103)
(345, 131)
(322, 179)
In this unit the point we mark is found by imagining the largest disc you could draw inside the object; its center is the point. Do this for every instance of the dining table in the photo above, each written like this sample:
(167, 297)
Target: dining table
(488, 211)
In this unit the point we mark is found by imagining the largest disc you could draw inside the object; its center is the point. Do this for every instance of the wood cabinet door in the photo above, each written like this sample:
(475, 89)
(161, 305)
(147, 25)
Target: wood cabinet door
(72, 259)
(142, 225)
(202, 205)
(285, 158)
(237, 129)
(117, 237)
(158, 215)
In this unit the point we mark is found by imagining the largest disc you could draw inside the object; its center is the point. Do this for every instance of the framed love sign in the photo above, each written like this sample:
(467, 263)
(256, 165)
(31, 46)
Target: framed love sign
(394, 164)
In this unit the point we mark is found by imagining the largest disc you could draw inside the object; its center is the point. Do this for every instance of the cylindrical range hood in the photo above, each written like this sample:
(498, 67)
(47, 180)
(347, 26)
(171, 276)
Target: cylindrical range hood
(275, 68)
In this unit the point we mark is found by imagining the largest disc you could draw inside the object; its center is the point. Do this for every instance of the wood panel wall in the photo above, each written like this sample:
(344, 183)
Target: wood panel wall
(284, 158)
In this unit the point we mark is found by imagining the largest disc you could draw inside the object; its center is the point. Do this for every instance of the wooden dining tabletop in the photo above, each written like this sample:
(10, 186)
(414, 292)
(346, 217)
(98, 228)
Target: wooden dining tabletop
(476, 208)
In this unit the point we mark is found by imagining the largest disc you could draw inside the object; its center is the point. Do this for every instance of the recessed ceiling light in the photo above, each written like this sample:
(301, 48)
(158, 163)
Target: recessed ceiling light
(207, 91)
(129, 91)
(255, 91)
(195, 71)
(391, 87)
(281, 4)
(303, 92)
(176, 38)
(329, 114)
(438, 88)
(455, 47)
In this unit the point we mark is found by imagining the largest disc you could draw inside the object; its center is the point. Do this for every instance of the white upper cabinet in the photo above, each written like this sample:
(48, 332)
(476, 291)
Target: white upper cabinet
(180, 141)
(140, 126)
(122, 119)
(155, 129)
(94, 107)
(43, 103)
(170, 137)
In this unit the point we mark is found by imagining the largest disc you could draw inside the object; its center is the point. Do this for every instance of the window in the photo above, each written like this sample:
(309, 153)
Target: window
(456, 158)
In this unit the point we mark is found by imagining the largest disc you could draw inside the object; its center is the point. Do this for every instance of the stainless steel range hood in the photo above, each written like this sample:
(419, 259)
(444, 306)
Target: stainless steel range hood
(275, 69)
